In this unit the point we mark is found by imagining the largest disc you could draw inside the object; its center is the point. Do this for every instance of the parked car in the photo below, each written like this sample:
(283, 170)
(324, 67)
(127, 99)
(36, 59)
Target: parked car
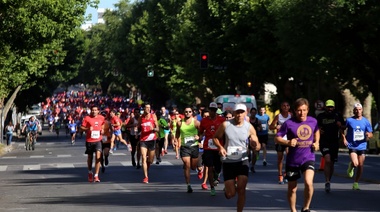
(34, 110)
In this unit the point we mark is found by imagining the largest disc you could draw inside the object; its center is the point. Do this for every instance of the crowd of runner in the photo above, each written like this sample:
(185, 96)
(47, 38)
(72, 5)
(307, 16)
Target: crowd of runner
(211, 141)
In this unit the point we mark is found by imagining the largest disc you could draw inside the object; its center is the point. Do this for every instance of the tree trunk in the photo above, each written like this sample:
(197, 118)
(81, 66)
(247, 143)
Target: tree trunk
(4, 110)
(350, 101)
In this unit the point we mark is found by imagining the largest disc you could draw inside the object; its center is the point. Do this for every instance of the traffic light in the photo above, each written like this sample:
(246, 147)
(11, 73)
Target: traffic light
(150, 73)
(204, 60)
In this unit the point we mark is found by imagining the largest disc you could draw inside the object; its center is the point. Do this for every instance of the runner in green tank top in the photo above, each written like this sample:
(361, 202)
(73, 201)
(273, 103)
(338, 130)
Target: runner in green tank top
(187, 131)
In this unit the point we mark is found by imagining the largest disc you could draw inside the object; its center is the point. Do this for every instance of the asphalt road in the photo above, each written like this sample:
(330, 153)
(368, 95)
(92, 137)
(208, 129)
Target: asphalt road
(54, 178)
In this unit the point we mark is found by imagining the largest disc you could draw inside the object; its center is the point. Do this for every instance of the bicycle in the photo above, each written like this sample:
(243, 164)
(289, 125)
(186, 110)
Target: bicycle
(30, 140)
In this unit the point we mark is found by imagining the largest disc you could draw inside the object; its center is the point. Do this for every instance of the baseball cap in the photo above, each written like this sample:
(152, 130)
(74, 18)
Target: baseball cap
(213, 105)
(358, 105)
(240, 107)
(330, 103)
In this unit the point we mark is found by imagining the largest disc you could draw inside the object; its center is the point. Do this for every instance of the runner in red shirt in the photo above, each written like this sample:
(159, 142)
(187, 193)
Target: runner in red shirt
(116, 124)
(148, 126)
(211, 158)
(93, 125)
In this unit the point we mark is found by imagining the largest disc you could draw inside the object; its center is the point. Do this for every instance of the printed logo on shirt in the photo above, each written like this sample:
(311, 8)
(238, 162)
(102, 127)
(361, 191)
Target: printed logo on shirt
(304, 132)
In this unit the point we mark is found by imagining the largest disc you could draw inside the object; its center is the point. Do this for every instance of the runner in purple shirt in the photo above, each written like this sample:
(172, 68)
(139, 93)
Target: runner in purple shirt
(303, 139)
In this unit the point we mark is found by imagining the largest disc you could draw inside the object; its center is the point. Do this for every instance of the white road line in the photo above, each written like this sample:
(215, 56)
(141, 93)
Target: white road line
(31, 167)
(3, 168)
(64, 165)
(167, 163)
(118, 154)
(280, 200)
(63, 156)
(9, 157)
(126, 163)
(37, 156)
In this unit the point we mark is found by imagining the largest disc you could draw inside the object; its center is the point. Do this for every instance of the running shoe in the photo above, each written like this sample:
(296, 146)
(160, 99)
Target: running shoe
(166, 152)
(264, 163)
(90, 177)
(253, 169)
(216, 182)
(138, 166)
(96, 179)
(200, 174)
(213, 192)
(216, 178)
(162, 152)
(327, 187)
(189, 189)
(204, 186)
(355, 186)
(281, 180)
(111, 151)
(350, 170)
(106, 162)
(305, 210)
(145, 180)
(157, 162)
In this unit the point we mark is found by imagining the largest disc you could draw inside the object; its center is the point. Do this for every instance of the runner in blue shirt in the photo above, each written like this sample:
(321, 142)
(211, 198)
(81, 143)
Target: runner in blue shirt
(358, 131)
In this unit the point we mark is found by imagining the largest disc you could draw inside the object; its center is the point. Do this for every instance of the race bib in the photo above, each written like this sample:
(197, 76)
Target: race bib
(189, 141)
(211, 144)
(72, 129)
(264, 127)
(95, 134)
(358, 135)
(235, 153)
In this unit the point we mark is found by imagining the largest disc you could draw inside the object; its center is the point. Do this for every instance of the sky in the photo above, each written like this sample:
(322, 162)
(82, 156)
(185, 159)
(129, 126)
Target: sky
(102, 4)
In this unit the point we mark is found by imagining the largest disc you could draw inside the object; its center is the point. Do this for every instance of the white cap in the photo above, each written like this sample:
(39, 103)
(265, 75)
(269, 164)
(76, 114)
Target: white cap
(213, 105)
(358, 105)
(240, 107)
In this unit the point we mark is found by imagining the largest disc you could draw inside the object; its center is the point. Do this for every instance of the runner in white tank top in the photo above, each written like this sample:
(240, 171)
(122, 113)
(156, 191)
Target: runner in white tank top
(280, 119)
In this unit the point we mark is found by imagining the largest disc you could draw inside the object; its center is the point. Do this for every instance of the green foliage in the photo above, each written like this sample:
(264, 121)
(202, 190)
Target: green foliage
(33, 35)
(323, 45)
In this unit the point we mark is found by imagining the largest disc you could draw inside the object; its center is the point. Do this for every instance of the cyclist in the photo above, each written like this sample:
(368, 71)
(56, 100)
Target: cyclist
(32, 126)
(51, 122)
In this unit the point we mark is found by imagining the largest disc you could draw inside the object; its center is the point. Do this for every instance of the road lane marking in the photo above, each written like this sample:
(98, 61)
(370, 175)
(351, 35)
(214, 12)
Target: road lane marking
(64, 165)
(3, 168)
(63, 156)
(37, 156)
(31, 167)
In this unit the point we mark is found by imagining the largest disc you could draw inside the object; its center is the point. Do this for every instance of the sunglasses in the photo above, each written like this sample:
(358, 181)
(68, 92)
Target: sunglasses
(188, 111)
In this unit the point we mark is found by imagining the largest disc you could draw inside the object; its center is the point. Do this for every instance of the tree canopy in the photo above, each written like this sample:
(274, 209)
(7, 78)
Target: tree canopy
(34, 36)
(322, 46)
(309, 48)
